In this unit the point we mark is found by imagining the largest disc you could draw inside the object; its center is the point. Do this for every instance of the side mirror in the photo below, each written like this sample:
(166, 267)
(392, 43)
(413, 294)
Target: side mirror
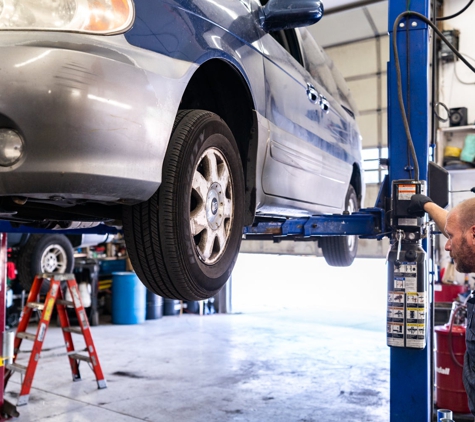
(288, 14)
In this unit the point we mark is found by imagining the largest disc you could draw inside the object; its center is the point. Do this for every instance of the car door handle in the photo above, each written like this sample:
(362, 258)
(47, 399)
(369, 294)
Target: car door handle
(324, 104)
(312, 94)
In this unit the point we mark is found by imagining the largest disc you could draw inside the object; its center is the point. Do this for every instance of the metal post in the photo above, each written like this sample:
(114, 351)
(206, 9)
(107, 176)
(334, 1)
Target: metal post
(3, 298)
(410, 387)
(224, 305)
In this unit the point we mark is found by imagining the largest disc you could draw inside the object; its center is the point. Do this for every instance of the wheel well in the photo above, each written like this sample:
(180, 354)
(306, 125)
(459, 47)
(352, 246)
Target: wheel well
(356, 182)
(217, 86)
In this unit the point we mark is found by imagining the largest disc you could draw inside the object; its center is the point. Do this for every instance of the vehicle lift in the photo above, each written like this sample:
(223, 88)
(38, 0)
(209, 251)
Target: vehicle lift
(410, 367)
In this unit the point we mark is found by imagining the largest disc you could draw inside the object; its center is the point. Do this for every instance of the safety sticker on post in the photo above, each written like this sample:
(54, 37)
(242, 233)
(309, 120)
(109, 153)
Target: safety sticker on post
(395, 318)
(407, 309)
(405, 192)
(415, 335)
(395, 334)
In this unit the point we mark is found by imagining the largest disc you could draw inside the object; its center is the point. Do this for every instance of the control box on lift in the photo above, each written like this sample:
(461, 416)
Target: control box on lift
(407, 280)
(402, 191)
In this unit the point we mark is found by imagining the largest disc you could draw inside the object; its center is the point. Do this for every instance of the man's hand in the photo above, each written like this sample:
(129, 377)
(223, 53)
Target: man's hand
(416, 207)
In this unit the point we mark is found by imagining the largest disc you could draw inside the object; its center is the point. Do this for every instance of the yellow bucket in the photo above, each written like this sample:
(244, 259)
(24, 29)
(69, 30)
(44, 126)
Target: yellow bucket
(452, 151)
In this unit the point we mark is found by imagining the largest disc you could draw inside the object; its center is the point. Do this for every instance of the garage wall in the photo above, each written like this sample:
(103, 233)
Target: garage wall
(457, 82)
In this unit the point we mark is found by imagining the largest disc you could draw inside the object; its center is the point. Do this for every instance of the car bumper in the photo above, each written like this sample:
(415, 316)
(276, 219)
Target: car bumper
(95, 115)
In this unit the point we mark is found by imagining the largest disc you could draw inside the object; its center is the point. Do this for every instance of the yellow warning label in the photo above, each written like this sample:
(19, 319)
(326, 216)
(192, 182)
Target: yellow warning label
(49, 309)
(415, 329)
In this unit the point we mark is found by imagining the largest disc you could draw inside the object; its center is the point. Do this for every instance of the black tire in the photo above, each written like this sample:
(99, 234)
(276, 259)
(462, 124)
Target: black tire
(183, 242)
(49, 253)
(340, 251)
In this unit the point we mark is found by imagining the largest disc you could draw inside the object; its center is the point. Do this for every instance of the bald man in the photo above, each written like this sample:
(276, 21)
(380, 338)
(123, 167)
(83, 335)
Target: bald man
(458, 225)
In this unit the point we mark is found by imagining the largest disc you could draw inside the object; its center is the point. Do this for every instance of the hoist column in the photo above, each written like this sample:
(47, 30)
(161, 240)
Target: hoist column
(3, 309)
(410, 381)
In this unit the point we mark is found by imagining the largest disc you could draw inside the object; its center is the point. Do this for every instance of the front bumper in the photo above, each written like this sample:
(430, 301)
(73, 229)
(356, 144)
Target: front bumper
(95, 114)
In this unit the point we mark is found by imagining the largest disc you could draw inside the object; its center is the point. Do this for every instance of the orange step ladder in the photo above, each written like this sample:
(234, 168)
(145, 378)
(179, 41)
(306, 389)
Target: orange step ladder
(54, 297)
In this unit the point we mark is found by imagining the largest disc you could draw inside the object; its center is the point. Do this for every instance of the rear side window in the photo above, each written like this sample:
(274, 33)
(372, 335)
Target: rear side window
(287, 38)
(316, 63)
(322, 69)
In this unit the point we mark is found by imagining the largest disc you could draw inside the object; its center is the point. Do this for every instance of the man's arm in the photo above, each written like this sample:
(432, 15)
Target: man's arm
(421, 204)
(438, 214)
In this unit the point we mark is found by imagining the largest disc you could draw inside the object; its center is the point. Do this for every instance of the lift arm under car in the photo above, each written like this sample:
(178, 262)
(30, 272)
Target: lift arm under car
(368, 222)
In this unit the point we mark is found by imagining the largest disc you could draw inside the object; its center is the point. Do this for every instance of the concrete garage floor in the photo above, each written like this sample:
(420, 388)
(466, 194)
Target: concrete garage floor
(317, 355)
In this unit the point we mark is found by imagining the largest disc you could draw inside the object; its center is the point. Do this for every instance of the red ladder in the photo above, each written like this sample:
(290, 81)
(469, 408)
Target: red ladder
(54, 296)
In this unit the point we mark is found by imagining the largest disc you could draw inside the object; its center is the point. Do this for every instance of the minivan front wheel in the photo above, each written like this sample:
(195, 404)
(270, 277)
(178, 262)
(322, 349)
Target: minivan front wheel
(183, 242)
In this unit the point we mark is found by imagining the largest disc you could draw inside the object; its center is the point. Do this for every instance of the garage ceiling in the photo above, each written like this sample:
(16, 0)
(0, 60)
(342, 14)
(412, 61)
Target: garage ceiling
(346, 21)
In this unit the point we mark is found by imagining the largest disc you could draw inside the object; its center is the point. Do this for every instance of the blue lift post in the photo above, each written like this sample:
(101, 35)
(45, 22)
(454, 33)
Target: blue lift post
(410, 386)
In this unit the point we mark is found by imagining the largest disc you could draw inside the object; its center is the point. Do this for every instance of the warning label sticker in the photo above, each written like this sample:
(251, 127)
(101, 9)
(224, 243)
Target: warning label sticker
(406, 191)
(407, 221)
(395, 334)
(395, 319)
(411, 284)
(412, 299)
(399, 283)
(49, 309)
(406, 268)
(415, 315)
(405, 276)
(415, 335)
(416, 299)
(41, 331)
(396, 299)
(395, 314)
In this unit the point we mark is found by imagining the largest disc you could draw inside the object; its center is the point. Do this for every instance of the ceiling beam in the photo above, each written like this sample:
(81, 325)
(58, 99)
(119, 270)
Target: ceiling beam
(352, 5)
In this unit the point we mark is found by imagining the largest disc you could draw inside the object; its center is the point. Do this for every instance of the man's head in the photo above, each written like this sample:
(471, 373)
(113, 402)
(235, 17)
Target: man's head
(460, 229)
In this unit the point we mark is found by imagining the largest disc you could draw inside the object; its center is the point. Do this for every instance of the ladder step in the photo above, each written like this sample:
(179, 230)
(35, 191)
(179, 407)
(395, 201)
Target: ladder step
(78, 356)
(16, 367)
(26, 336)
(36, 305)
(65, 302)
(76, 330)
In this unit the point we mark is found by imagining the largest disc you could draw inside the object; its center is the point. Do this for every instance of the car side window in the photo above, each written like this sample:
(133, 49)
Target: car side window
(287, 38)
(317, 64)
(322, 69)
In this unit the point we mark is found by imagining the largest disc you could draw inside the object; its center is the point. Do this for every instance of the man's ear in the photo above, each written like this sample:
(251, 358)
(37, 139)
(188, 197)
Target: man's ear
(472, 235)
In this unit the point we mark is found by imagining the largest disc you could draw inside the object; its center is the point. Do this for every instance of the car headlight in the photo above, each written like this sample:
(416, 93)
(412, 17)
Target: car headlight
(90, 16)
(11, 147)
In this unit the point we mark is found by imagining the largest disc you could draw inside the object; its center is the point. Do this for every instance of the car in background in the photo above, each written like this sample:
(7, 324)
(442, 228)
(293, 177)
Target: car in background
(47, 253)
(181, 121)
